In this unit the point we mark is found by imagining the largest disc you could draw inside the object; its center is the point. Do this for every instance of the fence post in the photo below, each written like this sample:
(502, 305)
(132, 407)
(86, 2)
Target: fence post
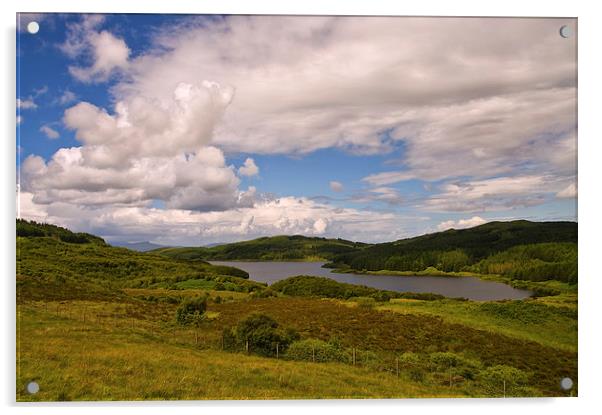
(354, 356)
(504, 388)
(313, 354)
(277, 350)
(397, 366)
(247, 346)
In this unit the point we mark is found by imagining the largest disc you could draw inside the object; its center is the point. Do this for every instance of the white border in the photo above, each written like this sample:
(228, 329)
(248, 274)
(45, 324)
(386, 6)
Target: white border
(590, 34)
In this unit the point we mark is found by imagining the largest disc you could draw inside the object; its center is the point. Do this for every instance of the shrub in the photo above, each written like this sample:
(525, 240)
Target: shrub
(454, 365)
(494, 378)
(413, 364)
(317, 350)
(264, 293)
(191, 309)
(263, 333)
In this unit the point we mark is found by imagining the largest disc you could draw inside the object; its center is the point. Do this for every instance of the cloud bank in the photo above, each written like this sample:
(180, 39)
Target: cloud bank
(484, 110)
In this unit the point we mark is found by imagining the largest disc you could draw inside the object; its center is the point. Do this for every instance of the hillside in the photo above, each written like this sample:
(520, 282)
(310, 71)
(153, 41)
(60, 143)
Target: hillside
(531, 250)
(275, 248)
(33, 229)
(85, 266)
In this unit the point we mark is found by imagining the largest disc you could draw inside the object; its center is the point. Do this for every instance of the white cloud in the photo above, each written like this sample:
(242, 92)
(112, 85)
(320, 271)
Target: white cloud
(336, 186)
(19, 119)
(499, 102)
(50, 132)
(200, 181)
(499, 193)
(492, 119)
(462, 223)
(26, 104)
(107, 52)
(568, 192)
(342, 82)
(287, 215)
(141, 126)
(249, 168)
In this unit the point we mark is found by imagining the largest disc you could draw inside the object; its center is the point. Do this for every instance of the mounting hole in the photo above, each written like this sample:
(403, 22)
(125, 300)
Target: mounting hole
(33, 27)
(565, 31)
(566, 384)
(33, 387)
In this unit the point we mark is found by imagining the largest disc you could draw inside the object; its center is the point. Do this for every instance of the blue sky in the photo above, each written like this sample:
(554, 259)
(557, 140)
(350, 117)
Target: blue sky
(198, 129)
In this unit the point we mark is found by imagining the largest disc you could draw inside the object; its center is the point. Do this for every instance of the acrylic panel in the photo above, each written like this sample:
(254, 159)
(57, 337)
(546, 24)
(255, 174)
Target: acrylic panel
(231, 207)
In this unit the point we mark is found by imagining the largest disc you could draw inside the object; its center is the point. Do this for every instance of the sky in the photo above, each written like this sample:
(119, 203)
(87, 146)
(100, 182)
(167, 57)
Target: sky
(200, 129)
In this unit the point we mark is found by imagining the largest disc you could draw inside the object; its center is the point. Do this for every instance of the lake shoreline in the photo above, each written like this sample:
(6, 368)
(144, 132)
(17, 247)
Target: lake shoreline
(457, 286)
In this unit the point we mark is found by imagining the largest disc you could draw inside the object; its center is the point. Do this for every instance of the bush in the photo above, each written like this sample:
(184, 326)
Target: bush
(317, 350)
(262, 334)
(493, 379)
(413, 364)
(191, 310)
(264, 293)
(455, 366)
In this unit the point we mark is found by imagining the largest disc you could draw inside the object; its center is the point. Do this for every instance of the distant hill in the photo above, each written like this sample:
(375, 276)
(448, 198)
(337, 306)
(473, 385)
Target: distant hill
(138, 246)
(534, 250)
(275, 248)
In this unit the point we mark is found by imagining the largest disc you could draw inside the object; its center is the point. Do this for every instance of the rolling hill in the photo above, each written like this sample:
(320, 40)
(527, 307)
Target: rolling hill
(55, 262)
(275, 248)
(520, 249)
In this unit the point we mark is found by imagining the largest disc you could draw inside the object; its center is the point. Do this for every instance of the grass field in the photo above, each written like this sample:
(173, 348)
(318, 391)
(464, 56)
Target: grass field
(533, 320)
(130, 348)
(119, 357)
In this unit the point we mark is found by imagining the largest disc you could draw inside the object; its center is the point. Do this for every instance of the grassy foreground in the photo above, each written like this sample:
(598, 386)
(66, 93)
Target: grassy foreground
(96, 322)
(109, 358)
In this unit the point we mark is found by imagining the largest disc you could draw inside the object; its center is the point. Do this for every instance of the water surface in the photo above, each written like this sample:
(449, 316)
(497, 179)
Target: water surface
(468, 287)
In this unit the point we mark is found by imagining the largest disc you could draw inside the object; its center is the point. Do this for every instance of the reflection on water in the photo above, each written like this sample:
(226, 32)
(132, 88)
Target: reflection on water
(467, 287)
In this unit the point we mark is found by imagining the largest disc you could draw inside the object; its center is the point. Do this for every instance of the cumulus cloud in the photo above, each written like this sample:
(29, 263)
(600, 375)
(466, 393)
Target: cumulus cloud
(249, 168)
(142, 126)
(499, 102)
(285, 215)
(336, 186)
(19, 119)
(200, 181)
(50, 132)
(462, 223)
(106, 52)
(147, 150)
(343, 82)
(484, 110)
